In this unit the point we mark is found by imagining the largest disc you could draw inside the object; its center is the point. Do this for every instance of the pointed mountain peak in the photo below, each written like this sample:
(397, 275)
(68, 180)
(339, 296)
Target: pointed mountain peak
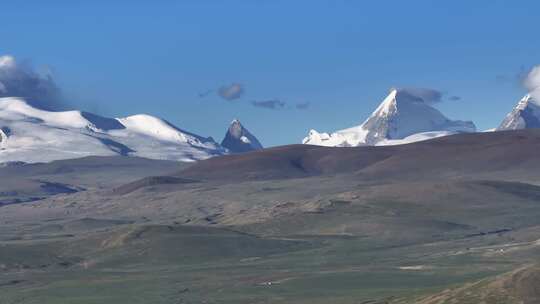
(236, 126)
(405, 112)
(402, 113)
(397, 99)
(388, 105)
(525, 115)
(238, 139)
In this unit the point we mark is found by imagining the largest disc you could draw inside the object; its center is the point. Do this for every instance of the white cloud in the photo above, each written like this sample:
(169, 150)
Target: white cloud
(21, 80)
(532, 82)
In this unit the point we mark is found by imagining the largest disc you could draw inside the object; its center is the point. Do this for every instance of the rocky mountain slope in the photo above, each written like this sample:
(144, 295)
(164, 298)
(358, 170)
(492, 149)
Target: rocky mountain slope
(238, 139)
(526, 114)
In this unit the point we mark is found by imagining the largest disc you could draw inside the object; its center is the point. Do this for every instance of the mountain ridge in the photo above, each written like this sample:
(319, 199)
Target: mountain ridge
(472, 154)
(40, 136)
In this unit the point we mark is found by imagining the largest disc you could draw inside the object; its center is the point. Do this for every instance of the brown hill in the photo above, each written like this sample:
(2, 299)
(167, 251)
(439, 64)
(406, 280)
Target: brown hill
(512, 155)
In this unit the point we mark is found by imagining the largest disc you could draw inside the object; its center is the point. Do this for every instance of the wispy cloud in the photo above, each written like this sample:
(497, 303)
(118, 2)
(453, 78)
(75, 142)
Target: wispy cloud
(272, 104)
(516, 78)
(236, 91)
(427, 95)
(22, 80)
(303, 105)
(231, 92)
(205, 93)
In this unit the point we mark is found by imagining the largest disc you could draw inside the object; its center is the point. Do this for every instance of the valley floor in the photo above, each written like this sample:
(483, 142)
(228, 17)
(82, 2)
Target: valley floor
(286, 225)
(128, 263)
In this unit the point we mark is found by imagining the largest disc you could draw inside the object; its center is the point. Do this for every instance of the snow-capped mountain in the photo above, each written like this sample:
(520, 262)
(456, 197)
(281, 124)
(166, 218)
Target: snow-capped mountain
(238, 139)
(32, 135)
(526, 114)
(401, 118)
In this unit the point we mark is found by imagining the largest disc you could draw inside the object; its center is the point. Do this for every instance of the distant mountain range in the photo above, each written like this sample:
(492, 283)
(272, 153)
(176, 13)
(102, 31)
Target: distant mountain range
(32, 135)
(405, 118)
(28, 134)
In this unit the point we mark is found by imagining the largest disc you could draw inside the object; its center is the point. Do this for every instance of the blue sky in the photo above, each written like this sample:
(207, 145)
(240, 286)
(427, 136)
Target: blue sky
(119, 58)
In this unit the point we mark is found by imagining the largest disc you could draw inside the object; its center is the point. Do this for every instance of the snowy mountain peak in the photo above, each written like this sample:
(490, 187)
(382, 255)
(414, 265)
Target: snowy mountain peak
(238, 139)
(154, 127)
(32, 135)
(18, 108)
(526, 114)
(12, 108)
(388, 105)
(400, 115)
(236, 128)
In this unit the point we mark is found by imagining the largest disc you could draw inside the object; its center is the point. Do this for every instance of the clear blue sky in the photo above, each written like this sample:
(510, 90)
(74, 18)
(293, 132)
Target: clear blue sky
(125, 57)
